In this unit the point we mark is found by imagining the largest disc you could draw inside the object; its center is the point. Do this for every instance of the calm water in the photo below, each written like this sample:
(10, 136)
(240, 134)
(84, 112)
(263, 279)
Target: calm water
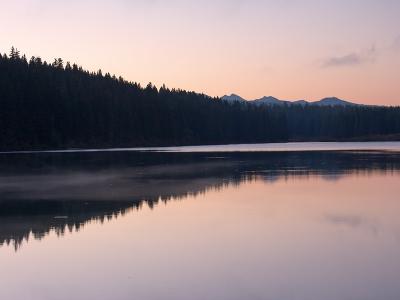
(271, 147)
(201, 225)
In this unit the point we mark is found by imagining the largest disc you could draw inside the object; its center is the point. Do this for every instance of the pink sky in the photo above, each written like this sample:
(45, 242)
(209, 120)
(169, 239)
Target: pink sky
(292, 50)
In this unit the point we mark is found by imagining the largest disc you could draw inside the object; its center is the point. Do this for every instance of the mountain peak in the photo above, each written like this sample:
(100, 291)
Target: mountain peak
(232, 98)
(270, 100)
(333, 101)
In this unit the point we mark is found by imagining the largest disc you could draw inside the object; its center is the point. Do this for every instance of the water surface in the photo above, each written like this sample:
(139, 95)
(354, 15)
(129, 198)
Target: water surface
(267, 147)
(200, 225)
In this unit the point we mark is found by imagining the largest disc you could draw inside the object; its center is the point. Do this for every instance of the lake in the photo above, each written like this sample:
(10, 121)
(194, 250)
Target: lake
(299, 221)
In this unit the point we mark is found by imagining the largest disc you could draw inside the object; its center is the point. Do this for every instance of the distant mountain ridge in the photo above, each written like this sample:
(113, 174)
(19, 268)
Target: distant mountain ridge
(269, 100)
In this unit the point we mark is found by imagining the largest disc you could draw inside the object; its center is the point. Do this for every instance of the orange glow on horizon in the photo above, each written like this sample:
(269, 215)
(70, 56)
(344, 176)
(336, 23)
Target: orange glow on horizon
(222, 48)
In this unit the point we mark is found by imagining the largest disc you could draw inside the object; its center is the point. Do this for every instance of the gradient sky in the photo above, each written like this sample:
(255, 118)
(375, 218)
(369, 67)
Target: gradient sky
(291, 49)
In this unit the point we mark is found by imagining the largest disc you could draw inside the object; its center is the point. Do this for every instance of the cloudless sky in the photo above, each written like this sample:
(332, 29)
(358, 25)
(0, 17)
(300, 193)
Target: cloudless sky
(291, 49)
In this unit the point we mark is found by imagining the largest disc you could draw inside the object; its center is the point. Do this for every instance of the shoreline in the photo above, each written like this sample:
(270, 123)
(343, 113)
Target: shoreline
(254, 147)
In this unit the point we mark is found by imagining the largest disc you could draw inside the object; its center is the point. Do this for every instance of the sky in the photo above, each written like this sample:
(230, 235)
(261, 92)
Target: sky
(290, 49)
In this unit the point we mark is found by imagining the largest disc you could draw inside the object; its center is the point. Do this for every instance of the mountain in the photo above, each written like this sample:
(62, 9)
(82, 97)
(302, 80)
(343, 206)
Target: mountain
(333, 101)
(233, 98)
(269, 100)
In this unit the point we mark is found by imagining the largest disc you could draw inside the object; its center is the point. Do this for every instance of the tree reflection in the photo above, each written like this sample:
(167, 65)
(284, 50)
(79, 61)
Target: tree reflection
(63, 192)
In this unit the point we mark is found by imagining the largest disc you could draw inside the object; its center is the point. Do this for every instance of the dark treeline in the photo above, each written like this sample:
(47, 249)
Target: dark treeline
(59, 105)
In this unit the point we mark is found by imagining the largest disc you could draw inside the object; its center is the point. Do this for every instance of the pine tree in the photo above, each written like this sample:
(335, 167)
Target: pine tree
(14, 53)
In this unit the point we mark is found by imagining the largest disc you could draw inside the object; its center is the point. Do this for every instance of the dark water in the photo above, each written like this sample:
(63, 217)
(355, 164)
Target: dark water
(200, 225)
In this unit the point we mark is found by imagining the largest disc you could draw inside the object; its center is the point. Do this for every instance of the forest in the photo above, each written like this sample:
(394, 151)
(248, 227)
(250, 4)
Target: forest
(60, 105)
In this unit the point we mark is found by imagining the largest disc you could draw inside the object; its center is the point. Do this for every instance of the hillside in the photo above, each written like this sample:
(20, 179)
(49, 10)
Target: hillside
(60, 105)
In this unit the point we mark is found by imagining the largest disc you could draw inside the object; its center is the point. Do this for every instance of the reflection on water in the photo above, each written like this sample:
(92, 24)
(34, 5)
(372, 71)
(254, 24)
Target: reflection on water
(63, 192)
(135, 225)
(24, 220)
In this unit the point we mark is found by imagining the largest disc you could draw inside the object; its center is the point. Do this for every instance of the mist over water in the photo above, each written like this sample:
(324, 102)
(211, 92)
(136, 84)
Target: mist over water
(205, 225)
